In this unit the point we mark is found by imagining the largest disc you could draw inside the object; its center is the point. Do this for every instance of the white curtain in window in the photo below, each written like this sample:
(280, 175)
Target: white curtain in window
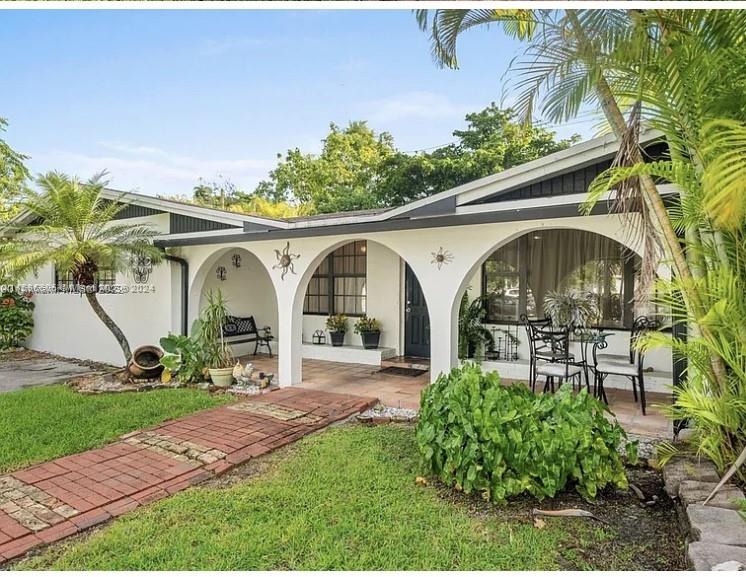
(576, 260)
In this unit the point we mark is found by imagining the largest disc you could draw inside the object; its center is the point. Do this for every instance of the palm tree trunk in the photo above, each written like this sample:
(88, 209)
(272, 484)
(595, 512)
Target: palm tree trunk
(653, 199)
(92, 298)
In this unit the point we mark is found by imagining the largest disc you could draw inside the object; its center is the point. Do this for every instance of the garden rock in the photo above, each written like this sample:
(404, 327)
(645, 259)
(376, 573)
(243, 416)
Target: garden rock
(681, 468)
(727, 497)
(715, 525)
(709, 557)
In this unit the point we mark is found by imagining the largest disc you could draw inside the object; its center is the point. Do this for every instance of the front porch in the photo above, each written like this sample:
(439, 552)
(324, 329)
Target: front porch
(404, 391)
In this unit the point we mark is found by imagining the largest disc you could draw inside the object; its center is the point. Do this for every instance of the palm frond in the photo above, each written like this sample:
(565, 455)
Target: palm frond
(724, 178)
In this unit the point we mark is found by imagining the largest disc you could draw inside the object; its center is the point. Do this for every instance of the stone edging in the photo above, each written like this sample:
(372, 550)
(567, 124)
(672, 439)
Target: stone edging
(716, 531)
(381, 415)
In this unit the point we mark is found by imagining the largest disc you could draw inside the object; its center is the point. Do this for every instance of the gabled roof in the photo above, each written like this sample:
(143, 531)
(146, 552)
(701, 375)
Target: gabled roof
(235, 219)
(455, 202)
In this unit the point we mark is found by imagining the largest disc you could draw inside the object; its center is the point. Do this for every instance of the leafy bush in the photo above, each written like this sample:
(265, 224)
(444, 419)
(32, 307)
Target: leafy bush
(16, 319)
(367, 325)
(185, 358)
(337, 323)
(478, 435)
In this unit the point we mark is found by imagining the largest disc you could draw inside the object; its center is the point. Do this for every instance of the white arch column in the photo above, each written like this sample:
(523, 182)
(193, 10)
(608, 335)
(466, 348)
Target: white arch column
(290, 345)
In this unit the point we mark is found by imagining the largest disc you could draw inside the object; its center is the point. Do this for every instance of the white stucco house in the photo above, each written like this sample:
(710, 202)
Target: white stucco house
(517, 234)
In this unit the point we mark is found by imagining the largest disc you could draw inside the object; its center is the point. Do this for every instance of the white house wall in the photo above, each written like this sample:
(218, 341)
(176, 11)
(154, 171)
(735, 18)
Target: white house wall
(469, 245)
(64, 324)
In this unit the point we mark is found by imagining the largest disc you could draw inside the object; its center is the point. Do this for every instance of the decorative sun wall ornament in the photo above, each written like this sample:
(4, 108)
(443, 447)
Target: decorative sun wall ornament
(142, 266)
(236, 260)
(221, 273)
(441, 257)
(285, 260)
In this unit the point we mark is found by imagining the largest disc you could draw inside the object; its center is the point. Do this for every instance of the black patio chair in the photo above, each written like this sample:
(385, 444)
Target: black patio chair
(640, 326)
(562, 366)
(631, 368)
(538, 348)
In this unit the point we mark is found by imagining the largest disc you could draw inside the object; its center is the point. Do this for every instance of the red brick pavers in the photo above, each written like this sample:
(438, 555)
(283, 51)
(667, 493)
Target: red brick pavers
(51, 501)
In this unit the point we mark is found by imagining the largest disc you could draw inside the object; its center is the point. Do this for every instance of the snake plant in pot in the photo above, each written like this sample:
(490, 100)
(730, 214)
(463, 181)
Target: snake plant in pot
(218, 355)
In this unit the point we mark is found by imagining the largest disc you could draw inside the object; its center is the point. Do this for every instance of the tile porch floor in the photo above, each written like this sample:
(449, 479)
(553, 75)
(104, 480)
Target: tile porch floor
(398, 391)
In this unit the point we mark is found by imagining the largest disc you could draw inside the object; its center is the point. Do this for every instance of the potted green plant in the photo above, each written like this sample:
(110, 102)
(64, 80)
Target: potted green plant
(369, 330)
(473, 337)
(218, 356)
(337, 327)
(571, 309)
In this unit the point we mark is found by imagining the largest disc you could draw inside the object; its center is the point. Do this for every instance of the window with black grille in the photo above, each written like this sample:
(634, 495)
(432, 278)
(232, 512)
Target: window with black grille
(338, 286)
(64, 280)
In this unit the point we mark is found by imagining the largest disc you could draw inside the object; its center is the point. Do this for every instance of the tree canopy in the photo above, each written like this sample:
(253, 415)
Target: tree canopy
(13, 175)
(359, 168)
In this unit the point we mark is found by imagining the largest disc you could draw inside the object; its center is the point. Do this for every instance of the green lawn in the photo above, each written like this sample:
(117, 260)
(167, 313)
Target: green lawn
(343, 499)
(41, 423)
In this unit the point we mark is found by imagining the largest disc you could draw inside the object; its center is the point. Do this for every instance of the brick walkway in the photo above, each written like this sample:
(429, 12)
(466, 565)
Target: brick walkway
(47, 502)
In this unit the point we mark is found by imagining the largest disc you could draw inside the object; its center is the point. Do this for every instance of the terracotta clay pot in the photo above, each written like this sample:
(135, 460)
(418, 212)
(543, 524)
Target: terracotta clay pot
(146, 362)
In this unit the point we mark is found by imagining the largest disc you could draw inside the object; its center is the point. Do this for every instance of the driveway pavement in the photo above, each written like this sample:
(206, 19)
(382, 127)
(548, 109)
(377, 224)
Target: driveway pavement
(26, 369)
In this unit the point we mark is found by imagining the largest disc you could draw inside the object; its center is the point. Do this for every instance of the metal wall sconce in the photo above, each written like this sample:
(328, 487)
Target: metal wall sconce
(236, 260)
(221, 273)
(142, 266)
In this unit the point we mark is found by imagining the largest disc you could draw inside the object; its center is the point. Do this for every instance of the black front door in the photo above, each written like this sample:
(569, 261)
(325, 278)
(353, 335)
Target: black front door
(416, 318)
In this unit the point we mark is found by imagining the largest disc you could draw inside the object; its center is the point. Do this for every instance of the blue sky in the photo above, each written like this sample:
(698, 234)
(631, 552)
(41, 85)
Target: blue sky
(161, 98)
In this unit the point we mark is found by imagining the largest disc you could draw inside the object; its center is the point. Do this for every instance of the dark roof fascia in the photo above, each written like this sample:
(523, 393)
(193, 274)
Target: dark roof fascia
(514, 215)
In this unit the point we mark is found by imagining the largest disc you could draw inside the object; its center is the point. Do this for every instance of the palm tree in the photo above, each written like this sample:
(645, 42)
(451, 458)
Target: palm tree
(612, 58)
(682, 72)
(75, 231)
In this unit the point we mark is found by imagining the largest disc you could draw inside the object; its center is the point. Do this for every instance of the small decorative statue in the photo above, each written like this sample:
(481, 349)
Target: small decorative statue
(265, 380)
(243, 374)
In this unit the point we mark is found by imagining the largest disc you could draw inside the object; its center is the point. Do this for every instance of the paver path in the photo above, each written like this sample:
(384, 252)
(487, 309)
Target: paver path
(50, 501)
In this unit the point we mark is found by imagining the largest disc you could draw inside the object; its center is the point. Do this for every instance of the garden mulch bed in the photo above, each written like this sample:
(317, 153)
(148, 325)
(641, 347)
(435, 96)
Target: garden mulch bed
(630, 534)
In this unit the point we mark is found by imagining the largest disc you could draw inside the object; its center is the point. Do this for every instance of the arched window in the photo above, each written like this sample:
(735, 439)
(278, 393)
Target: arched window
(517, 276)
(338, 284)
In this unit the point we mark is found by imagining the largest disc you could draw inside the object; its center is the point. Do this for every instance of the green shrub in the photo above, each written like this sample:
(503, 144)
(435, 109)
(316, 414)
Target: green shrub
(16, 319)
(477, 435)
(367, 325)
(185, 359)
(337, 323)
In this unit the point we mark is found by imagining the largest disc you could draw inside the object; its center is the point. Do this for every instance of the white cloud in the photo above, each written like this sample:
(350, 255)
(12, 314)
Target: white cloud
(220, 46)
(152, 170)
(414, 105)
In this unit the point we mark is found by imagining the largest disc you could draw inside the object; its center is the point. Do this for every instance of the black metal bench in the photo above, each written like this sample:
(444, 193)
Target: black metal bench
(245, 328)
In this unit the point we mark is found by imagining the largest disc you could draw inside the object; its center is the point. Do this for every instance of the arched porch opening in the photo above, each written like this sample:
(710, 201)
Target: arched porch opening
(355, 277)
(246, 286)
(517, 273)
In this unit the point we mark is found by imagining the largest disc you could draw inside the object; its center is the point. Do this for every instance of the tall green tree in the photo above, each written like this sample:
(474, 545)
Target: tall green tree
(13, 176)
(75, 230)
(493, 140)
(340, 177)
(359, 169)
